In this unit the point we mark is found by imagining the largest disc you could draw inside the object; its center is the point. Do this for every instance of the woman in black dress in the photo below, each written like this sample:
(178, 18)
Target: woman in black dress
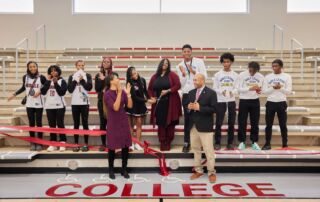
(163, 87)
(139, 97)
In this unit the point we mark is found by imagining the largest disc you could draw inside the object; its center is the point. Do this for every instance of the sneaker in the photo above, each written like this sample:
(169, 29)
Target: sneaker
(255, 146)
(51, 148)
(84, 148)
(138, 147)
(230, 147)
(62, 148)
(32, 147)
(76, 149)
(217, 147)
(131, 147)
(266, 147)
(39, 147)
(242, 146)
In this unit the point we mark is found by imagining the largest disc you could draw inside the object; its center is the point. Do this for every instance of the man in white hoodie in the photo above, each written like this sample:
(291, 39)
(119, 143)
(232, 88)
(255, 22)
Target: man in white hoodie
(187, 69)
(250, 86)
(225, 85)
(277, 86)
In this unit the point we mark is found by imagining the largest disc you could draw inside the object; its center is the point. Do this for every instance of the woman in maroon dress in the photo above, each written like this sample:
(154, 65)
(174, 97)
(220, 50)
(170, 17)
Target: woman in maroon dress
(164, 86)
(118, 130)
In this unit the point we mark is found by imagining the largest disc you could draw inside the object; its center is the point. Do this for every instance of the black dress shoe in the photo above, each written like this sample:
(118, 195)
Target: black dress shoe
(230, 147)
(266, 147)
(112, 175)
(186, 148)
(125, 174)
(217, 147)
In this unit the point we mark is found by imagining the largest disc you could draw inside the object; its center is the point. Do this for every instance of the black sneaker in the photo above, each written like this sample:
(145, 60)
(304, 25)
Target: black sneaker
(186, 148)
(76, 149)
(84, 148)
(32, 147)
(125, 174)
(39, 147)
(217, 147)
(112, 175)
(230, 147)
(284, 146)
(266, 147)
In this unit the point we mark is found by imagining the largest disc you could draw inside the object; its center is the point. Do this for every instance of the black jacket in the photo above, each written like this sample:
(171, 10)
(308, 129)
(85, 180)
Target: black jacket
(99, 86)
(61, 90)
(203, 119)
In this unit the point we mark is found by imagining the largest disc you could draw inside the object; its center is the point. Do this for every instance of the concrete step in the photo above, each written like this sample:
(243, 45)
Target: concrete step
(6, 111)
(311, 120)
(309, 102)
(9, 120)
(315, 111)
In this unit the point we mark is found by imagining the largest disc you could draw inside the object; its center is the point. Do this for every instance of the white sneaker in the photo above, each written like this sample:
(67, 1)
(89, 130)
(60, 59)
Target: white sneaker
(132, 147)
(62, 148)
(52, 148)
(138, 147)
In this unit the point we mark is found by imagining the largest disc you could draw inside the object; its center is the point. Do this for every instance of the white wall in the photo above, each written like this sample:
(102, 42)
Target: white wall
(214, 30)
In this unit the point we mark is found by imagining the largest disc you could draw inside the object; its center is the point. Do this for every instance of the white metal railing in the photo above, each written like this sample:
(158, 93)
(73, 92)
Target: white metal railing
(38, 29)
(315, 60)
(3, 60)
(18, 46)
(292, 42)
(275, 28)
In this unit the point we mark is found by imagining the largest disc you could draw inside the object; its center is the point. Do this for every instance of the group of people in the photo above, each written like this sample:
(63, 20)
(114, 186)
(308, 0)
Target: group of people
(123, 109)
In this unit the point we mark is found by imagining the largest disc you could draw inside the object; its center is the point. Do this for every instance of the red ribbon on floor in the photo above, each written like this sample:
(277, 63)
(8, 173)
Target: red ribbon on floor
(145, 145)
(162, 161)
(41, 141)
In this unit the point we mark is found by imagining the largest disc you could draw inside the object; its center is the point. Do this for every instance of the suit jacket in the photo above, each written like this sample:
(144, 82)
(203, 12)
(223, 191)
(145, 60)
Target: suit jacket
(203, 119)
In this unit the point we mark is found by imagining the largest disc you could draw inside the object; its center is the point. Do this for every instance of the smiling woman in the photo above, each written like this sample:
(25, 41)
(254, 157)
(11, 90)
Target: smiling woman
(16, 6)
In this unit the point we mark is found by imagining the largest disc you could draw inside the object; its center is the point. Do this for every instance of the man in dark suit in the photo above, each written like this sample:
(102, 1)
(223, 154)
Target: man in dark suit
(201, 108)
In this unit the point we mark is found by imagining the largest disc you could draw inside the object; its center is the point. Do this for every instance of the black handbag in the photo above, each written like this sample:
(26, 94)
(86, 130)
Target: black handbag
(24, 100)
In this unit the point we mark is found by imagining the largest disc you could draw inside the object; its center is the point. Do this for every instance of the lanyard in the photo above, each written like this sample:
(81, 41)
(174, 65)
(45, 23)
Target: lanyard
(187, 66)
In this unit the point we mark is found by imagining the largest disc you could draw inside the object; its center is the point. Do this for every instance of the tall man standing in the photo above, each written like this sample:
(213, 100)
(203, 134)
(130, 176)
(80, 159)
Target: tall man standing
(187, 69)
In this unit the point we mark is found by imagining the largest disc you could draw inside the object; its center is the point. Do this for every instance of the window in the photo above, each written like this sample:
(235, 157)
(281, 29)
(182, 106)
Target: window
(204, 6)
(116, 6)
(16, 6)
(160, 6)
(303, 6)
